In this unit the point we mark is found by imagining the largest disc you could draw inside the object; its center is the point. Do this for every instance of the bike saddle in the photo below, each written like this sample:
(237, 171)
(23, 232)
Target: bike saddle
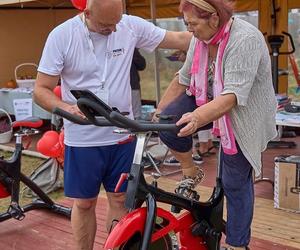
(30, 122)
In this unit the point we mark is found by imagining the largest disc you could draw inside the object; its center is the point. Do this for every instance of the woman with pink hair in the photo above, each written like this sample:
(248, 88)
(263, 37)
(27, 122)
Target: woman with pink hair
(225, 83)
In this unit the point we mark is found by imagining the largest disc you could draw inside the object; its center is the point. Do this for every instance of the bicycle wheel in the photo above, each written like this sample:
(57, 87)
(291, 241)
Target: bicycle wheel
(164, 243)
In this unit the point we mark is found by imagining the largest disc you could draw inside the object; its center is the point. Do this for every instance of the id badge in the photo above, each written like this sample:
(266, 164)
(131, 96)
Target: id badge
(103, 95)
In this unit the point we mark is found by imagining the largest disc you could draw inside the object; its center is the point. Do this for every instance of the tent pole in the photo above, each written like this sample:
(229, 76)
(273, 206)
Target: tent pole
(156, 58)
(124, 7)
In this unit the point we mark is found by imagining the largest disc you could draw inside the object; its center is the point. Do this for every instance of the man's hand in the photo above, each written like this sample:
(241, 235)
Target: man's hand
(74, 110)
(155, 117)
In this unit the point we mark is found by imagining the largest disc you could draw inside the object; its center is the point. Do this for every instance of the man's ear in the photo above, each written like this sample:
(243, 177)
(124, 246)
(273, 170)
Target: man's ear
(86, 13)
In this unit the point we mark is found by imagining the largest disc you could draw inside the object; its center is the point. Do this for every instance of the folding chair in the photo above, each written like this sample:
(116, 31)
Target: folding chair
(157, 146)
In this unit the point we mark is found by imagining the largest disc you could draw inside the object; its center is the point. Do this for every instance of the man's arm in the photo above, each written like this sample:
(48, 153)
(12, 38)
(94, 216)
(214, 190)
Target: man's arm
(176, 40)
(43, 95)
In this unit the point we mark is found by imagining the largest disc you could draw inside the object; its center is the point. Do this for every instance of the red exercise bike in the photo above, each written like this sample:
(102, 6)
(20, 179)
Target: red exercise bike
(199, 227)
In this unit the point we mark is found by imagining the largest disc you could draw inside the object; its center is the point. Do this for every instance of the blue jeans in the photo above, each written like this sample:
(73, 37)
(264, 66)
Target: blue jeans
(239, 192)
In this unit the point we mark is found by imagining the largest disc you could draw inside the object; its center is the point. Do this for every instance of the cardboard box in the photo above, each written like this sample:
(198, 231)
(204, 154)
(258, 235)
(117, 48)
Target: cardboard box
(287, 183)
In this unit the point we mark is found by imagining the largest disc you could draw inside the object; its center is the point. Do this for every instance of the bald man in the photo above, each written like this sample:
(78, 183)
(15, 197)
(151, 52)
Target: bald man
(94, 51)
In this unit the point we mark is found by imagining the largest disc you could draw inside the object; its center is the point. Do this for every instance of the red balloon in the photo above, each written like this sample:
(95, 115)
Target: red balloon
(49, 144)
(79, 4)
(3, 191)
(57, 91)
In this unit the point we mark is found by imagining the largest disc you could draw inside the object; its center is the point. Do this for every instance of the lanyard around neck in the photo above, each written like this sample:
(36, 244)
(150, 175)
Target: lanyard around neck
(92, 48)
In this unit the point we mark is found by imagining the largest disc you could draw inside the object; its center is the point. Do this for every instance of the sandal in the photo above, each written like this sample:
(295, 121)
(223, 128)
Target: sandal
(207, 153)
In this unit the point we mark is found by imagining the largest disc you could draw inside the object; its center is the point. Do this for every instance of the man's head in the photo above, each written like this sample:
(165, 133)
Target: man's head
(102, 16)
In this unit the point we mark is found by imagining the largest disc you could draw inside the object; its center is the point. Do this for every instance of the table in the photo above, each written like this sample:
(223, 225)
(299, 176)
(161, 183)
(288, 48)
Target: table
(7, 96)
(284, 118)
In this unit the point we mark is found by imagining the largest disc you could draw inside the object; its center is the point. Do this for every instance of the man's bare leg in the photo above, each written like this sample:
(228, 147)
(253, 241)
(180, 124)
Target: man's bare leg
(83, 221)
(116, 209)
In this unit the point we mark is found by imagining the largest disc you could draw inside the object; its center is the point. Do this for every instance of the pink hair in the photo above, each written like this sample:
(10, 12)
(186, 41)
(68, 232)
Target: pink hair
(223, 8)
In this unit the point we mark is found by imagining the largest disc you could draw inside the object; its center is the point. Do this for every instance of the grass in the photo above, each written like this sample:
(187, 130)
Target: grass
(29, 164)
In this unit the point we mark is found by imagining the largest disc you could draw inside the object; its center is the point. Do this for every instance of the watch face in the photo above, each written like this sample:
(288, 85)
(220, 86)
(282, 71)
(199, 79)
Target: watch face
(188, 92)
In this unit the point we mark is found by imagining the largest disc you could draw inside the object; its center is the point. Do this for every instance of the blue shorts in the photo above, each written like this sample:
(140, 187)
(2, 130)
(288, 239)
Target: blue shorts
(86, 168)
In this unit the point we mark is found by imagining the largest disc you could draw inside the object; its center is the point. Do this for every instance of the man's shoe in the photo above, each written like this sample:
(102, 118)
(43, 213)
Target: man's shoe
(171, 162)
(187, 185)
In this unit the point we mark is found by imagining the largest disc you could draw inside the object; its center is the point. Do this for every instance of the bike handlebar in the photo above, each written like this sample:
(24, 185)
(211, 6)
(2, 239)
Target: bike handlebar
(78, 120)
(99, 114)
(291, 42)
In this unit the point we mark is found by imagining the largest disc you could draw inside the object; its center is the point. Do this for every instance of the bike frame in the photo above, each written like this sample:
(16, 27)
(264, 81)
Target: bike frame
(11, 176)
(142, 219)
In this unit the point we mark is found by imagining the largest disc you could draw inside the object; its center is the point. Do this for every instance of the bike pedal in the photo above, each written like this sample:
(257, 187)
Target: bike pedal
(175, 209)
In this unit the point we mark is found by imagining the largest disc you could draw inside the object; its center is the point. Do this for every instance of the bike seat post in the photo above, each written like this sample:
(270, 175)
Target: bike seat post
(139, 148)
(19, 138)
(24, 131)
(26, 127)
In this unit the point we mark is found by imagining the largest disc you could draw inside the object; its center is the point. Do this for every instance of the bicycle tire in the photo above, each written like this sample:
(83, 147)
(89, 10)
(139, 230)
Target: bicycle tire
(164, 243)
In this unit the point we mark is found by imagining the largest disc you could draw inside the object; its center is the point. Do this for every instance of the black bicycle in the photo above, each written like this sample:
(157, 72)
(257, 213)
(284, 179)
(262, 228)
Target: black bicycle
(11, 177)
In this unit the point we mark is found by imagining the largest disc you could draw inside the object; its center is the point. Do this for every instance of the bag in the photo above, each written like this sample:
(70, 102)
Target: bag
(46, 176)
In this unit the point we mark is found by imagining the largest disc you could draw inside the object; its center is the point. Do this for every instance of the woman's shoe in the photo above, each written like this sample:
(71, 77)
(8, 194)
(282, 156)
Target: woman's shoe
(207, 153)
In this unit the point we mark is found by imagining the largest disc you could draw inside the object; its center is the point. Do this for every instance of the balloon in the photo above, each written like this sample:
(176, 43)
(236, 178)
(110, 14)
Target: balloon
(79, 4)
(57, 91)
(3, 191)
(49, 144)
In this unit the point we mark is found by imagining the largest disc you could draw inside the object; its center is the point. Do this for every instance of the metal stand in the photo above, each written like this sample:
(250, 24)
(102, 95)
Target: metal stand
(279, 143)
(154, 165)
(275, 42)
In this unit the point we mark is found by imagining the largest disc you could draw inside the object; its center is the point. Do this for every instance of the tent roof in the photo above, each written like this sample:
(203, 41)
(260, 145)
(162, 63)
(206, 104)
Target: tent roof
(164, 8)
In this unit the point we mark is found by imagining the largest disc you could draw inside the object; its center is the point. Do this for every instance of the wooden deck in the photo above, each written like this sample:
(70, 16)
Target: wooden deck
(272, 229)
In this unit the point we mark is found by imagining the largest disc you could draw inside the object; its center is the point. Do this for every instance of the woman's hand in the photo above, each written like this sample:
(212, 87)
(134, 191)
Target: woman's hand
(192, 124)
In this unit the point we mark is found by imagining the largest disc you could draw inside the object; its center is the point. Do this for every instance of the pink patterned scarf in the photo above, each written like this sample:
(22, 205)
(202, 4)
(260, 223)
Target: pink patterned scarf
(198, 87)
